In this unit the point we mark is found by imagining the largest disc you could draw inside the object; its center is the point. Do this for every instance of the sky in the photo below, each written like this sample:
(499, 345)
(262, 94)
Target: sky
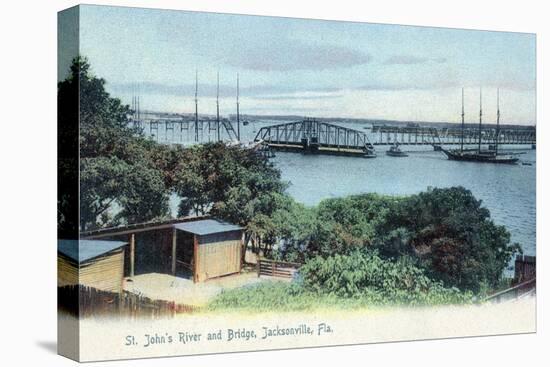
(309, 67)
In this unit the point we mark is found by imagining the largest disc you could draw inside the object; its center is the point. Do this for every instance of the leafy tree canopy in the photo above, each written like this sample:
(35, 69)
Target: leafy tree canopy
(446, 232)
(122, 179)
(230, 183)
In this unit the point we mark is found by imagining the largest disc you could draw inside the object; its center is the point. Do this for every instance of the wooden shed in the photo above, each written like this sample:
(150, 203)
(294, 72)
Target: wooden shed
(93, 263)
(197, 247)
(216, 250)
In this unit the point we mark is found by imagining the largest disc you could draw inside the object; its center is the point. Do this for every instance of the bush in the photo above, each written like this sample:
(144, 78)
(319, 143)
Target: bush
(452, 237)
(446, 232)
(357, 280)
(366, 275)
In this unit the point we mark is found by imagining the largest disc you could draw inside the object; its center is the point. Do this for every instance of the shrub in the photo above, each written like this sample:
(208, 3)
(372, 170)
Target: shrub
(343, 281)
(366, 275)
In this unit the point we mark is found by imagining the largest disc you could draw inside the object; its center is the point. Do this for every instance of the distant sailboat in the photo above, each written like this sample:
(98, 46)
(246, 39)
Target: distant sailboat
(482, 156)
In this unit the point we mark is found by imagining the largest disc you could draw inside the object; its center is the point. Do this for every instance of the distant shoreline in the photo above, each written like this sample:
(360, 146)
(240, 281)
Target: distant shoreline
(244, 117)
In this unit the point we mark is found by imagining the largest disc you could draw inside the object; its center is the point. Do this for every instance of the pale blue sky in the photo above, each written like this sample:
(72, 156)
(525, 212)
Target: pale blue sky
(309, 67)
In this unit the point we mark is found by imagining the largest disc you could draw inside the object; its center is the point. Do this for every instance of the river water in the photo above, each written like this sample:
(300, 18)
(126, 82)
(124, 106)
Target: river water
(508, 191)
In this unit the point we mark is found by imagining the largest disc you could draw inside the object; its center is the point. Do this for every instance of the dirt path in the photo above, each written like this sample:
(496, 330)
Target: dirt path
(183, 290)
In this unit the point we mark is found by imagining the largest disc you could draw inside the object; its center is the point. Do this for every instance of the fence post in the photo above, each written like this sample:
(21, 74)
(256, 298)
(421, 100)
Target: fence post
(258, 260)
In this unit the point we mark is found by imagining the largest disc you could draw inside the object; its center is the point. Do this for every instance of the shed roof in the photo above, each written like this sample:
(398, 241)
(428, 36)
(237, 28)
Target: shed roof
(207, 226)
(84, 250)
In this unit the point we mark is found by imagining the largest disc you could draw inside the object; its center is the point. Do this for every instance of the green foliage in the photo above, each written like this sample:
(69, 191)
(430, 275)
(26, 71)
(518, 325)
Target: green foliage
(451, 235)
(268, 296)
(230, 183)
(446, 232)
(122, 178)
(295, 225)
(358, 280)
(335, 226)
(366, 275)
(350, 223)
(284, 297)
(104, 129)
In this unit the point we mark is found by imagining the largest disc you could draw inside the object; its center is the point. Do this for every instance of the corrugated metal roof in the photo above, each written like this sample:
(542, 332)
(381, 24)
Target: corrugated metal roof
(84, 250)
(207, 226)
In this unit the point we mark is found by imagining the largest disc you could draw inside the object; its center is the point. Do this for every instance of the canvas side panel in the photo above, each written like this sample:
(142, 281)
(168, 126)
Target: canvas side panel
(67, 173)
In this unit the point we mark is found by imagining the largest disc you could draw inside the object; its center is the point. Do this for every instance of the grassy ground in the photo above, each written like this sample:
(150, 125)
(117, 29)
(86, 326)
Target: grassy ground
(281, 297)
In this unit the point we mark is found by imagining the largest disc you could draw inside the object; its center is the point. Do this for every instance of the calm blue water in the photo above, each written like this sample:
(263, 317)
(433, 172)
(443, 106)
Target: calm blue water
(508, 191)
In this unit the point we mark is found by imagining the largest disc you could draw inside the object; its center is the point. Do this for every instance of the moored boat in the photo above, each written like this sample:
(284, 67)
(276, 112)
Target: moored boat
(484, 156)
(396, 152)
(478, 155)
(369, 150)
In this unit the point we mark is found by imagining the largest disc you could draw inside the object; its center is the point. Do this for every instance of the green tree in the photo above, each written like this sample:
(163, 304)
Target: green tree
(295, 226)
(120, 179)
(230, 183)
(451, 235)
(445, 232)
(335, 226)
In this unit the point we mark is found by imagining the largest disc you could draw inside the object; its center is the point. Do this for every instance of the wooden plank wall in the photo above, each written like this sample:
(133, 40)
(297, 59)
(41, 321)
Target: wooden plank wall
(218, 258)
(67, 272)
(105, 273)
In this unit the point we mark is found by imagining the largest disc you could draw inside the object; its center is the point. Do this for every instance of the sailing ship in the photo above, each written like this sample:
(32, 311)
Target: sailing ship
(477, 155)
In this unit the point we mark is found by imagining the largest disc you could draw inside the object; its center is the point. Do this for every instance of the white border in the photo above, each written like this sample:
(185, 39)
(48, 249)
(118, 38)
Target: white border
(28, 154)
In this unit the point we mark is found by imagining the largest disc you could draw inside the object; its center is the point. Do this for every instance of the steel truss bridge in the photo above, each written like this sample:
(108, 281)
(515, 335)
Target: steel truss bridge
(315, 136)
(418, 135)
(310, 134)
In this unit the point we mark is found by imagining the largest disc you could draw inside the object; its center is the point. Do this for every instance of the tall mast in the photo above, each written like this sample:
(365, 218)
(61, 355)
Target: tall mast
(462, 129)
(133, 103)
(498, 121)
(238, 117)
(480, 119)
(138, 104)
(196, 106)
(218, 106)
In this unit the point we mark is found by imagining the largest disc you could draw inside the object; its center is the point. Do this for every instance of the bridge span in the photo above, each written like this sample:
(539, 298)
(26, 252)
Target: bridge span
(421, 135)
(313, 136)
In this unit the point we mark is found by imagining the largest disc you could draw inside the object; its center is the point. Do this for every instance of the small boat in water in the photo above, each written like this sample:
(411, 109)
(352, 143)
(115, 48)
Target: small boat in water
(370, 152)
(396, 152)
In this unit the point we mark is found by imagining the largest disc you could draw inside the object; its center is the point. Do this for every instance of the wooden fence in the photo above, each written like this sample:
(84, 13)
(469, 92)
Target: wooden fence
(525, 268)
(516, 292)
(273, 268)
(83, 301)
